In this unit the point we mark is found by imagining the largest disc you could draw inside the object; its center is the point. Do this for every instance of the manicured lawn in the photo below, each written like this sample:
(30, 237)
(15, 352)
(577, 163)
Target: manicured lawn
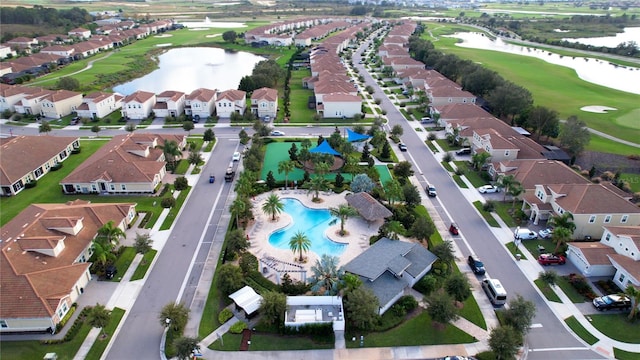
(577, 328)
(444, 144)
(446, 166)
(299, 97)
(123, 261)
(486, 215)
(34, 350)
(471, 175)
(142, 268)
(547, 291)
(511, 246)
(433, 148)
(569, 290)
(168, 221)
(182, 167)
(101, 344)
(418, 330)
(633, 180)
(625, 355)
(436, 238)
(215, 302)
(503, 209)
(471, 311)
(616, 326)
(460, 182)
(230, 342)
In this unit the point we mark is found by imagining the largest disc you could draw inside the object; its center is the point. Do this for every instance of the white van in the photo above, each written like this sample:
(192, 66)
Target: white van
(524, 234)
(496, 293)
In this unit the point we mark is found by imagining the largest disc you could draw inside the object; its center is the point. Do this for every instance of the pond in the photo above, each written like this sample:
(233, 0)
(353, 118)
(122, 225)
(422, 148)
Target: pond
(595, 71)
(629, 34)
(187, 69)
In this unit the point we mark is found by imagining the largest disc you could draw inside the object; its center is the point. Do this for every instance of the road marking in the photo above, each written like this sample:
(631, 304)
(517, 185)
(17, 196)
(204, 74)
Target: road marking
(535, 326)
(560, 349)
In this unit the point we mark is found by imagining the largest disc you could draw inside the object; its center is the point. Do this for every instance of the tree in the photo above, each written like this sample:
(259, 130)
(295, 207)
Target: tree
(392, 229)
(351, 165)
(457, 285)
(634, 294)
(188, 126)
(102, 253)
(238, 208)
(68, 83)
(130, 127)
(441, 308)
(548, 277)
(208, 135)
(574, 135)
(480, 81)
(244, 137)
(411, 194)
(195, 158)
(342, 212)
(393, 191)
(171, 152)
(236, 241)
(397, 130)
(543, 121)
(286, 166)
(318, 183)
(362, 183)
(99, 317)
(229, 36)
(507, 182)
(519, 314)
(563, 221)
(142, 243)
(422, 228)
(178, 316)
(299, 243)
(44, 127)
(273, 306)
(293, 152)
(504, 341)
(96, 129)
(327, 276)
(385, 153)
(444, 251)
(361, 308)
(110, 234)
(509, 99)
(515, 190)
(403, 169)
(273, 206)
(230, 278)
(560, 237)
(479, 159)
(185, 346)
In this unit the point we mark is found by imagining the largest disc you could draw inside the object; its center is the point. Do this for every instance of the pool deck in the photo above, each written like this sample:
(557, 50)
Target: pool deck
(357, 239)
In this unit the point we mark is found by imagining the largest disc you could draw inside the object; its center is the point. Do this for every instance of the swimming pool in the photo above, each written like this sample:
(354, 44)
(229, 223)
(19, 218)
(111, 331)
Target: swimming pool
(313, 223)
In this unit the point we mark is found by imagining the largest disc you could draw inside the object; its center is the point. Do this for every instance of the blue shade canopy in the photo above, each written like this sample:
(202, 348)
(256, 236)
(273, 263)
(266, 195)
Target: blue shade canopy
(353, 136)
(324, 148)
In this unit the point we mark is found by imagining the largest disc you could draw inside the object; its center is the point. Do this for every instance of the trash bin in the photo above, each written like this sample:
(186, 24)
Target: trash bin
(518, 257)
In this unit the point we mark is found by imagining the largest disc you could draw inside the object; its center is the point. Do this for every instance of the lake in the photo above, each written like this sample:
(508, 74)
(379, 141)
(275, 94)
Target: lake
(187, 69)
(629, 34)
(588, 69)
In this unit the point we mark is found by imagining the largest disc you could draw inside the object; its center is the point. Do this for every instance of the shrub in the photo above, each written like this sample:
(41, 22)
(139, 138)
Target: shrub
(323, 329)
(224, 315)
(489, 206)
(432, 136)
(56, 167)
(76, 151)
(66, 318)
(180, 183)
(447, 157)
(238, 327)
(145, 219)
(31, 184)
(427, 284)
(165, 188)
(168, 202)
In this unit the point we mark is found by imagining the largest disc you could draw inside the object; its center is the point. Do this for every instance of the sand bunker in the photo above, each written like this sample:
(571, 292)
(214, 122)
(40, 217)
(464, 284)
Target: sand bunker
(163, 36)
(213, 35)
(597, 109)
(164, 45)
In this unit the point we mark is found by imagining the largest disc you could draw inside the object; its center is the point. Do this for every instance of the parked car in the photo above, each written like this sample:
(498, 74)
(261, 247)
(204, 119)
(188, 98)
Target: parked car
(612, 301)
(550, 259)
(486, 189)
(453, 229)
(402, 147)
(476, 265)
(236, 156)
(546, 233)
(277, 133)
(431, 190)
(426, 120)
(524, 234)
(464, 151)
(212, 179)
(75, 120)
(110, 272)
(267, 118)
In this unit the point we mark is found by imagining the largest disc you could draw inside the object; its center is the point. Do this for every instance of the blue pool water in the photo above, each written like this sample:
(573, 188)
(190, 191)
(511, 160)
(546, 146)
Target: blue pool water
(313, 222)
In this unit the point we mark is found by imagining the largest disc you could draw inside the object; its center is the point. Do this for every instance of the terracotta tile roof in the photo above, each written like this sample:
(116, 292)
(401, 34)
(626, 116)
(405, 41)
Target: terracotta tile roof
(20, 155)
(60, 95)
(265, 93)
(461, 111)
(591, 199)
(341, 97)
(449, 91)
(232, 95)
(540, 172)
(202, 94)
(596, 253)
(171, 95)
(97, 97)
(630, 265)
(632, 232)
(139, 97)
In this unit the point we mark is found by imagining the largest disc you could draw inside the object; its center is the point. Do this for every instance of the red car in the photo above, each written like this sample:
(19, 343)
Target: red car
(453, 229)
(549, 259)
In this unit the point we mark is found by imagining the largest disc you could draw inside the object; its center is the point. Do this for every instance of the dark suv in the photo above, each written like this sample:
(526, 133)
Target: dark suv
(476, 265)
(612, 301)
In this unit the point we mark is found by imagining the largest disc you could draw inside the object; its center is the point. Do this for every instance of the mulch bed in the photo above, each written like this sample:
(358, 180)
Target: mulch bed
(246, 336)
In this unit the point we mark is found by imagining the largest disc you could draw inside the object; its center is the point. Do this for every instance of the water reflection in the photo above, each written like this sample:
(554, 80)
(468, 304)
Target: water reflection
(207, 23)
(588, 69)
(187, 69)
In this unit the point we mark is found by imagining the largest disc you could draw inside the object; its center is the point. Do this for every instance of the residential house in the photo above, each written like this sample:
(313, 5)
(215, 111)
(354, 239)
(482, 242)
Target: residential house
(6, 52)
(60, 103)
(23, 43)
(30, 104)
(169, 103)
(456, 111)
(230, 101)
(138, 105)
(340, 105)
(443, 95)
(44, 268)
(264, 102)
(80, 33)
(200, 103)
(530, 173)
(10, 95)
(99, 104)
(389, 267)
(59, 50)
(591, 205)
(616, 255)
(509, 146)
(128, 164)
(28, 158)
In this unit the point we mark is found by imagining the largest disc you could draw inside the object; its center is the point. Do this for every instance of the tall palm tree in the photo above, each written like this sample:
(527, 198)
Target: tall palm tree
(244, 184)
(327, 276)
(351, 165)
(560, 236)
(103, 254)
(299, 243)
(634, 294)
(237, 208)
(110, 234)
(273, 206)
(515, 190)
(393, 191)
(506, 182)
(286, 166)
(322, 168)
(316, 184)
(342, 212)
(392, 229)
(171, 151)
(563, 221)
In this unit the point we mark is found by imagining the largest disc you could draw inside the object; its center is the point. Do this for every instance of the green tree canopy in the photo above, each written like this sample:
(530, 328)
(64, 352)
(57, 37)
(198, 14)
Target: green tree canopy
(230, 278)
(273, 206)
(361, 308)
(273, 306)
(185, 346)
(574, 135)
(178, 316)
(441, 308)
(300, 243)
(457, 285)
(327, 276)
(504, 341)
(229, 36)
(99, 317)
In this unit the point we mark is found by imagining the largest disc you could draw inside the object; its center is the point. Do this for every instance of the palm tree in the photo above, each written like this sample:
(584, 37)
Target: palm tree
(194, 158)
(110, 233)
(392, 229)
(479, 159)
(286, 166)
(316, 184)
(342, 212)
(563, 221)
(238, 207)
(560, 236)
(300, 242)
(45, 127)
(99, 317)
(102, 252)
(506, 182)
(393, 191)
(634, 294)
(515, 190)
(327, 276)
(171, 151)
(273, 206)
(351, 165)
(244, 185)
(321, 168)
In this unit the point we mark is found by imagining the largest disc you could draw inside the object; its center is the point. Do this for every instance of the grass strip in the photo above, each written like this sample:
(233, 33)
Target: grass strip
(447, 166)
(625, 355)
(142, 268)
(569, 290)
(123, 262)
(95, 353)
(460, 182)
(471, 311)
(577, 328)
(617, 326)
(547, 291)
(173, 213)
(486, 215)
(502, 209)
(512, 249)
